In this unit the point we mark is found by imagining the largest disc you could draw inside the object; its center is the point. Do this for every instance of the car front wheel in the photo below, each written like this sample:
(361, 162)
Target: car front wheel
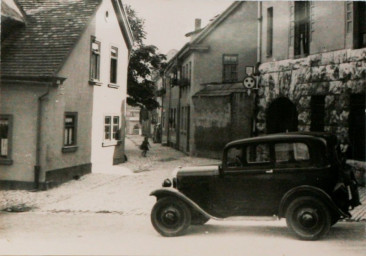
(308, 218)
(170, 216)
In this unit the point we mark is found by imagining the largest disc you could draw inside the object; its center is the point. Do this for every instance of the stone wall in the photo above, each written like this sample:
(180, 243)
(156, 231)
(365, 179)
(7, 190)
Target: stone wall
(336, 75)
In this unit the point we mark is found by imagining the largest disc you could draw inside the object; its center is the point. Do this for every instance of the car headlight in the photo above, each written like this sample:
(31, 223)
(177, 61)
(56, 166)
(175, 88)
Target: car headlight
(167, 183)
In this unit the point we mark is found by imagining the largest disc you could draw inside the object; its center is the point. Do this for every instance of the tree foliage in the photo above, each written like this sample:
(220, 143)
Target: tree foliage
(145, 63)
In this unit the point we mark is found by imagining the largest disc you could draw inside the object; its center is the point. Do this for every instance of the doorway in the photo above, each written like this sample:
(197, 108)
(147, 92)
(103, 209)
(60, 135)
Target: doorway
(356, 124)
(281, 116)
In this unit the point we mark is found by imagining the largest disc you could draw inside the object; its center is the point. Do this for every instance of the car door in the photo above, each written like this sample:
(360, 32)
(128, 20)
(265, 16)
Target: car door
(245, 184)
(295, 166)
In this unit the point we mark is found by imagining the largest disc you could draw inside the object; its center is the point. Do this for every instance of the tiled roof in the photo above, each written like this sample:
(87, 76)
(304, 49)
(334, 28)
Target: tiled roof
(8, 12)
(220, 90)
(52, 29)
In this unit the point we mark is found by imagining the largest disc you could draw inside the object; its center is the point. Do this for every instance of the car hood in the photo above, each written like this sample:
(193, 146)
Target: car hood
(209, 170)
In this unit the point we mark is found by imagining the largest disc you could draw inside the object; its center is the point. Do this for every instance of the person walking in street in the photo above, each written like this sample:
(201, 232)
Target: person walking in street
(145, 146)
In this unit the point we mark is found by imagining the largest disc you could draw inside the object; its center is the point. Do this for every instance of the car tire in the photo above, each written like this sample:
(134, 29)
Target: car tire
(170, 216)
(308, 218)
(198, 218)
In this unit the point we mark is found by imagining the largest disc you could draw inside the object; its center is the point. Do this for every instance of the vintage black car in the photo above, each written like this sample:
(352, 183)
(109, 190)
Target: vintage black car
(297, 176)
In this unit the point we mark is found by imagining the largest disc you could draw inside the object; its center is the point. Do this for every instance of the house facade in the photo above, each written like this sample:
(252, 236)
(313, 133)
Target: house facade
(217, 56)
(313, 71)
(63, 91)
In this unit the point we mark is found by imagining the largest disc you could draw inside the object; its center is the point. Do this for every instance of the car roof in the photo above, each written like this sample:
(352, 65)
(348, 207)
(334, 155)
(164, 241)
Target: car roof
(327, 138)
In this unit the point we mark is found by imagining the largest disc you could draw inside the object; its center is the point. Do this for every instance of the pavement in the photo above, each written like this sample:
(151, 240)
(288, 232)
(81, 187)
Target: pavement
(35, 233)
(123, 189)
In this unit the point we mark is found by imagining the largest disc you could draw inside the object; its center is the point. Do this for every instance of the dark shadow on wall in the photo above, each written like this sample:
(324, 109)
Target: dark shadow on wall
(119, 155)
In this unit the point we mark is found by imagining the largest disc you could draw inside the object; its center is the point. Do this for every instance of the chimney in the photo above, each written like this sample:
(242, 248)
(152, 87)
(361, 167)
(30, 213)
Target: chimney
(197, 24)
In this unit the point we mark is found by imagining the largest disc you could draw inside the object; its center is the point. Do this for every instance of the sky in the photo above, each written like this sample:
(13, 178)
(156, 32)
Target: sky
(167, 21)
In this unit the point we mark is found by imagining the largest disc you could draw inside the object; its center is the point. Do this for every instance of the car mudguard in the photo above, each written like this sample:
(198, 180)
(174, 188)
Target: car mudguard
(307, 190)
(163, 192)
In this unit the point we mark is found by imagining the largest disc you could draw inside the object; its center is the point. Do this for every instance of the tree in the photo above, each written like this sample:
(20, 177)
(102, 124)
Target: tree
(145, 62)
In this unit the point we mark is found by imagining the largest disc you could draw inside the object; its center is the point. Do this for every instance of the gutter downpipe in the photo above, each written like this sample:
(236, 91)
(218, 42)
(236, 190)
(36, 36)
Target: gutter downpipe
(37, 167)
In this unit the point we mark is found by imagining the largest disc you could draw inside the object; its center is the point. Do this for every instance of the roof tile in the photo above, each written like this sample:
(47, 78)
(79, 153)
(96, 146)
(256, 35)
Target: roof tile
(52, 29)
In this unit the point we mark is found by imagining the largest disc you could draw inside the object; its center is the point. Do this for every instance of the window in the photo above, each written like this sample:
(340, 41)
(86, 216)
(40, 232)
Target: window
(70, 132)
(269, 31)
(361, 26)
(349, 11)
(302, 28)
(230, 66)
(317, 113)
(189, 72)
(114, 61)
(111, 128)
(187, 118)
(70, 129)
(182, 119)
(174, 118)
(291, 152)
(115, 128)
(95, 60)
(259, 153)
(6, 123)
(234, 157)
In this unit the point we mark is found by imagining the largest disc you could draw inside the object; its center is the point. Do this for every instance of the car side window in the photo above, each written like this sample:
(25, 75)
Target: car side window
(258, 153)
(234, 157)
(291, 152)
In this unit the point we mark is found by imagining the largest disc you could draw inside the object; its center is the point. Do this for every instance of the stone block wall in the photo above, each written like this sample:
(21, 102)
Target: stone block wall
(336, 75)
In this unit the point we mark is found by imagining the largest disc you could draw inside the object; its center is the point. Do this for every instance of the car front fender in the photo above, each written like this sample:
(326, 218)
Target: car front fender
(309, 191)
(164, 192)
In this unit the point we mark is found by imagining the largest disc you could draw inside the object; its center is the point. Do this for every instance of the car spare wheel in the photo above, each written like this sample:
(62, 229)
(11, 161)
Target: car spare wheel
(308, 218)
(170, 216)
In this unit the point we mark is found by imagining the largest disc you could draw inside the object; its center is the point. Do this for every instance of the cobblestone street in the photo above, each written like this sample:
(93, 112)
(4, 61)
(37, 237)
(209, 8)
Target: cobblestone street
(124, 189)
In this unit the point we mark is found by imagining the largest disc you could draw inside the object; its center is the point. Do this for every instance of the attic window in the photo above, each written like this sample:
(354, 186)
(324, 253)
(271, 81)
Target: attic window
(106, 16)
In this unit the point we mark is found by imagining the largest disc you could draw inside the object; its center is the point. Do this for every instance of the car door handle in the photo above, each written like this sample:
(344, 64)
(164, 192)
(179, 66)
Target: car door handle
(269, 171)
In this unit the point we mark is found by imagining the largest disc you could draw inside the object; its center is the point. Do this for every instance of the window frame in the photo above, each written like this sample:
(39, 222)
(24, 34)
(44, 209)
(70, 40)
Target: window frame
(269, 45)
(112, 141)
(247, 166)
(8, 159)
(66, 148)
(232, 78)
(294, 160)
(95, 80)
(298, 22)
(113, 81)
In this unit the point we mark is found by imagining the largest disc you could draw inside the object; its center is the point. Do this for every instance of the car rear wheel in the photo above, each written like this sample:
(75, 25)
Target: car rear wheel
(170, 216)
(308, 218)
